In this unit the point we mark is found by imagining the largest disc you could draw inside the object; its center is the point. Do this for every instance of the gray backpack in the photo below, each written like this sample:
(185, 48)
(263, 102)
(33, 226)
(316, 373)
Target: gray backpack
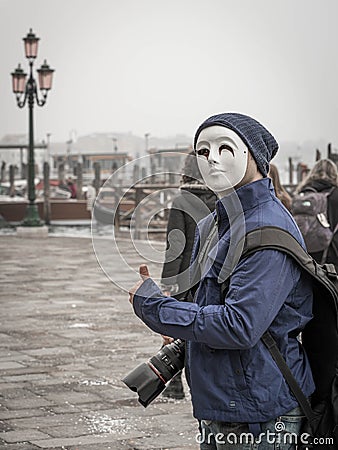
(309, 209)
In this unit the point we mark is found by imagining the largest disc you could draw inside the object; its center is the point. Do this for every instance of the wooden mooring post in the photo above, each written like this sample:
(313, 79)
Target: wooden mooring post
(46, 193)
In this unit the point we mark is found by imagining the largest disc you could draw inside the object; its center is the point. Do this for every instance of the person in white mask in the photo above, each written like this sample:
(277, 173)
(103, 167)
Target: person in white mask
(237, 390)
(224, 160)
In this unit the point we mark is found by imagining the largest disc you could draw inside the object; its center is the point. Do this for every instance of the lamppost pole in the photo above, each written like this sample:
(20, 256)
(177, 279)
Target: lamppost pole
(26, 92)
(31, 159)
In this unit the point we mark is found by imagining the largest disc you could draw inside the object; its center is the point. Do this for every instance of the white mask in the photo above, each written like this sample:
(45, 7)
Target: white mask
(222, 158)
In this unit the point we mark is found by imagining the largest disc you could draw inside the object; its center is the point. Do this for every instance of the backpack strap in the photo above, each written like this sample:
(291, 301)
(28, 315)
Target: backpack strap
(271, 345)
(308, 189)
(275, 238)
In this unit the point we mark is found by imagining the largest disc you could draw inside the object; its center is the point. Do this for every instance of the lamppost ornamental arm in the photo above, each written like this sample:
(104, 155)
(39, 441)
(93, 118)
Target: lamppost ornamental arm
(26, 92)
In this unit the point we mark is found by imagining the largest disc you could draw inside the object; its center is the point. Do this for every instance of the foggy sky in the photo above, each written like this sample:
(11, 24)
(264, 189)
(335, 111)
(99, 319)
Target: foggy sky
(162, 67)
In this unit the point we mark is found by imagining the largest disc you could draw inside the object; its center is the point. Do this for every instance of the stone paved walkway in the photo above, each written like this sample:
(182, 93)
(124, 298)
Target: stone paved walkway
(67, 337)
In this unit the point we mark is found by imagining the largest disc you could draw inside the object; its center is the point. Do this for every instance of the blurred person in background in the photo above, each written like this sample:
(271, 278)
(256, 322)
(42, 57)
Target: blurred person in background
(72, 187)
(323, 178)
(280, 192)
(91, 196)
(194, 202)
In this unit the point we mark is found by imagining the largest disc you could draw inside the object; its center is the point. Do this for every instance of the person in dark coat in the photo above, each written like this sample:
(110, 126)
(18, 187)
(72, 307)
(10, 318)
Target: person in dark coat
(323, 177)
(72, 187)
(194, 202)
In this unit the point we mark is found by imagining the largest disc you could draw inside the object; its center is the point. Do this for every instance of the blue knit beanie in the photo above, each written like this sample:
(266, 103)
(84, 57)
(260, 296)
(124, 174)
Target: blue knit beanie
(260, 142)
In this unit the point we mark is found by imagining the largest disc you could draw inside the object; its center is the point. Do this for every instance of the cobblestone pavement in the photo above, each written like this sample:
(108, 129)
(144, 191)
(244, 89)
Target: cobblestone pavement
(67, 337)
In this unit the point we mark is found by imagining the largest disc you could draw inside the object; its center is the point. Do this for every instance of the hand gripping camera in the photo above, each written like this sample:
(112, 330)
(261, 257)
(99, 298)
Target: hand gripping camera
(149, 379)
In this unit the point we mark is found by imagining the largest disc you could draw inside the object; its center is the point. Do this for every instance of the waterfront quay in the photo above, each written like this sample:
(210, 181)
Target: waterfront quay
(68, 336)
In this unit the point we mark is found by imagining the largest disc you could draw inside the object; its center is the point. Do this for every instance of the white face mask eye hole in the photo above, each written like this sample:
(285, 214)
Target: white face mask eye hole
(226, 148)
(203, 152)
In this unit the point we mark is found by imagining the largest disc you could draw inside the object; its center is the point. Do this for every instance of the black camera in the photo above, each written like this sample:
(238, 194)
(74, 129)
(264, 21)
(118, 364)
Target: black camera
(149, 379)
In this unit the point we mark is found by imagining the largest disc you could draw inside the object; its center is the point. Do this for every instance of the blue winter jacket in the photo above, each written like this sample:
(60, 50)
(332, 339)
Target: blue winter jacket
(232, 375)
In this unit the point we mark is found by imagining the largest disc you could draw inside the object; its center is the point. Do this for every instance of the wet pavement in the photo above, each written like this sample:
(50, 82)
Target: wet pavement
(67, 337)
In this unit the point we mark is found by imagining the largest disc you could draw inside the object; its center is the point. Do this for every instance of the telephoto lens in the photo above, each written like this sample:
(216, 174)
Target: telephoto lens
(149, 379)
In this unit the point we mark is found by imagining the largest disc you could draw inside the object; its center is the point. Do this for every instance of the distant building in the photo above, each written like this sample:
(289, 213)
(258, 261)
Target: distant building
(14, 152)
(89, 150)
(109, 162)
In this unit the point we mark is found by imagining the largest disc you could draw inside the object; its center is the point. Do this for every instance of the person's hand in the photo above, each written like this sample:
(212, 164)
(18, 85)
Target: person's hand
(167, 339)
(144, 274)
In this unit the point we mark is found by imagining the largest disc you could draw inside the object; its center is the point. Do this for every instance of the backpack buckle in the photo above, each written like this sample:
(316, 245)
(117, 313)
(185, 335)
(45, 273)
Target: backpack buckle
(330, 271)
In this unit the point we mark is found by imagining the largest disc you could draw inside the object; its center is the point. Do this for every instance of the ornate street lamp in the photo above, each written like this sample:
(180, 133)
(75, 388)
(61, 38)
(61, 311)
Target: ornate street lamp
(27, 92)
